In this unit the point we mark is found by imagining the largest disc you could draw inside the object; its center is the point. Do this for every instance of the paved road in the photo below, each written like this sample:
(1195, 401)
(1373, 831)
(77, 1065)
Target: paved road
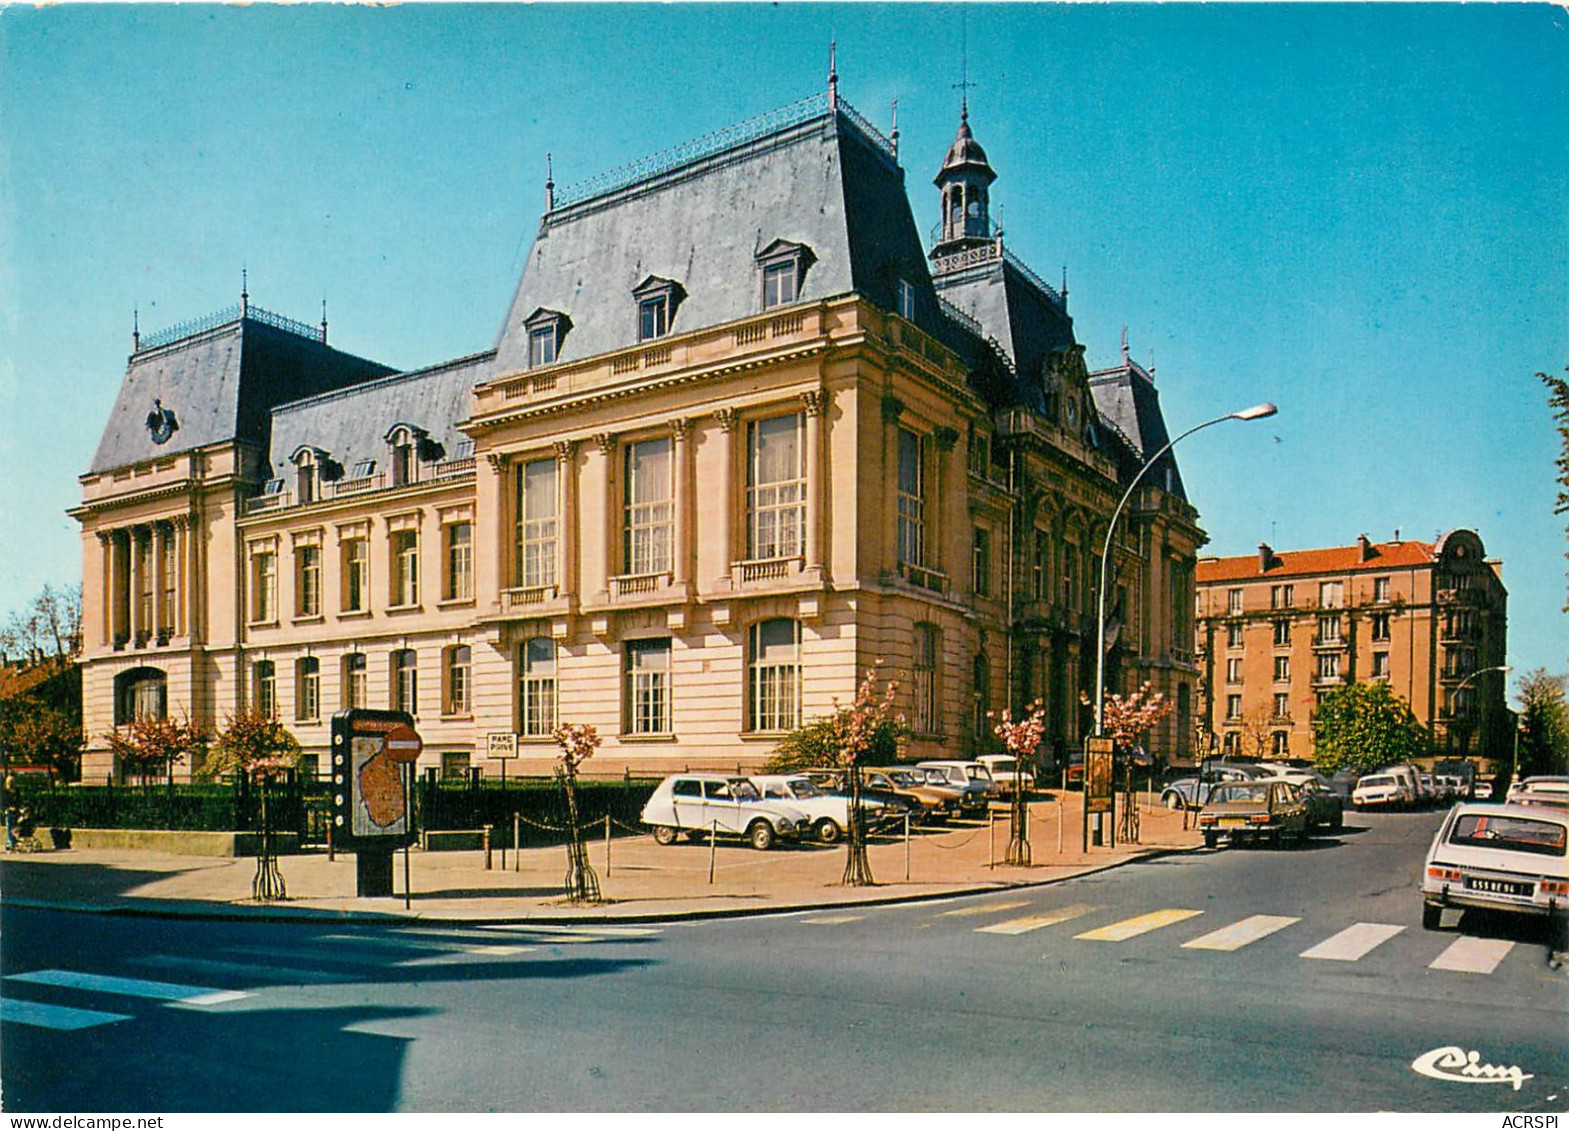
(1233, 980)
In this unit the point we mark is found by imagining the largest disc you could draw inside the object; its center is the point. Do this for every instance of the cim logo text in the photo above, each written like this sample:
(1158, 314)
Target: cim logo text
(1456, 1065)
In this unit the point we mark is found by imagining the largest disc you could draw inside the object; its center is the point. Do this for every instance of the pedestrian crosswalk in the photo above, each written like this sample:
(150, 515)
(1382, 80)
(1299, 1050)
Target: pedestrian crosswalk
(1353, 943)
(1241, 933)
(68, 1000)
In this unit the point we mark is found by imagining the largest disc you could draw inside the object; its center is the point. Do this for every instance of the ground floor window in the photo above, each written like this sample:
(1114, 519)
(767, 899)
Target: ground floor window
(648, 686)
(537, 687)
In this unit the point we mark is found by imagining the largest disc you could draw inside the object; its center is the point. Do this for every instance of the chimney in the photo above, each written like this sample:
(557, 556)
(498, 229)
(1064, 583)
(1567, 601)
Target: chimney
(1265, 556)
(1364, 547)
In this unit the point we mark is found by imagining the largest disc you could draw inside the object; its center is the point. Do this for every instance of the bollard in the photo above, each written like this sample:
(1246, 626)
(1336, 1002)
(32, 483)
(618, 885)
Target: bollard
(517, 848)
(713, 836)
(1061, 801)
(607, 846)
(487, 848)
(991, 839)
(906, 846)
(330, 856)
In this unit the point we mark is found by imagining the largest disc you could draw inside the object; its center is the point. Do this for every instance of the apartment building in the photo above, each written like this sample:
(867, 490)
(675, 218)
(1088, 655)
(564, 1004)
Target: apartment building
(1276, 630)
(741, 436)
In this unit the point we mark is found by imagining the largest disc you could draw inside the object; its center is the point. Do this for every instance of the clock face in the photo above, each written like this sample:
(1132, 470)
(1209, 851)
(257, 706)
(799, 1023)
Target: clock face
(161, 423)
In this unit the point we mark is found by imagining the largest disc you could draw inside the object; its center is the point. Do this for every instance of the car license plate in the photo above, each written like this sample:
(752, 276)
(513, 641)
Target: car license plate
(1497, 887)
(1233, 821)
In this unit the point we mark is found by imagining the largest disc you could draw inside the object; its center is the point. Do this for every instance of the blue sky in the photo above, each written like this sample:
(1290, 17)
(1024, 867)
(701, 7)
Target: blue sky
(1358, 212)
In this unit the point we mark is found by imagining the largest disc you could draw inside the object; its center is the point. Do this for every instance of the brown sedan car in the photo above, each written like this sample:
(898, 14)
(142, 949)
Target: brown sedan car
(1268, 811)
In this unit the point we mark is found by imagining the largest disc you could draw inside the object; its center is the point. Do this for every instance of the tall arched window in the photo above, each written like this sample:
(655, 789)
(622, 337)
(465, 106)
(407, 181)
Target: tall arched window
(141, 693)
(774, 675)
(307, 688)
(264, 688)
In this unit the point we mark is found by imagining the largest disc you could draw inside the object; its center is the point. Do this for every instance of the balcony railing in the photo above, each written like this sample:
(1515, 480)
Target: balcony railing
(527, 597)
(764, 569)
(328, 490)
(639, 584)
(924, 577)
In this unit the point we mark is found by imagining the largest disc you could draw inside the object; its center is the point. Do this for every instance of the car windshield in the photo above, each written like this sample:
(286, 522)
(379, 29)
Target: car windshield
(1520, 834)
(978, 773)
(1238, 791)
(804, 789)
(936, 777)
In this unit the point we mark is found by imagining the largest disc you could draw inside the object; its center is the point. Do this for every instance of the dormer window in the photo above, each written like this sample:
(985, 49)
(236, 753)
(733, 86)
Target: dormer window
(907, 299)
(545, 329)
(784, 265)
(307, 474)
(657, 300)
(403, 443)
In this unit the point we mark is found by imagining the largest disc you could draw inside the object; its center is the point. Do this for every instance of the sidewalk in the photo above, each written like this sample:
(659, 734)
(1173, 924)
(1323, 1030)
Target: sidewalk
(642, 881)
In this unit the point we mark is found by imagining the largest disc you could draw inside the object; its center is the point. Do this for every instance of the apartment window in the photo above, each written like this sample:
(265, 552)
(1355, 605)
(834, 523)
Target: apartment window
(1281, 597)
(1329, 665)
(1233, 706)
(536, 510)
(1282, 632)
(1379, 626)
(264, 688)
(1380, 665)
(774, 692)
(264, 587)
(907, 299)
(458, 585)
(1329, 630)
(775, 488)
(1234, 670)
(405, 567)
(978, 449)
(981, 678)
(1070, 576)
(403, 463)
(1282, 669)
(307, 688)
(456, 678)
(541, 346)
(405, 681)
(1233, 636)
(924, 716)
(981, 562)
(648, 686)
(1331, 594)
(1233, 601)
(1231, 744)
(356, 574)
(537, 687)
(653, 317)
(307, 581)
(454, 765)
(779, 283)
(1280, 744)
(649, 511)
(1042, 549)
(1381, 589)
(912, 500)
(354, 681)
(1282, 705)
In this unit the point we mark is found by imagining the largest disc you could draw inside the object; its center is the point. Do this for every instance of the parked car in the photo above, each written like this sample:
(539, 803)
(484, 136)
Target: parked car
(829, 813)
(1324, 807)
(927, 802)
(1384, 791)
(1409, 778)
(727, 803)
(1543, 790)
(1268, 811)
(1427, 790)
(971, 778)
(1192, 792)
(1453, 787)
(1499, 857)
(1002, 768)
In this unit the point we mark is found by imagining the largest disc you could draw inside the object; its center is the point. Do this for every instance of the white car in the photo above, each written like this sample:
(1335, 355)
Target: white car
(1501, 858)
(828, 813)
(1540, 791)
(971, 777)
(1381, 790)
(726, 804)
(1002, 768)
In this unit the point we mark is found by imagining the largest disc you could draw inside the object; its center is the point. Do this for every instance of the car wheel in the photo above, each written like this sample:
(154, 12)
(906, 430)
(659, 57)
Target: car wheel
(664, 834)
(1210, 840)
(827, 831)
(1432, 916)
(761, 835)
(1171, 800)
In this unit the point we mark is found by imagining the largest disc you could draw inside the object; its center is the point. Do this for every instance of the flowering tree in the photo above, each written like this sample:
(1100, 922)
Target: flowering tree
(578, 741)
(855, 729)
(253, 744)
(148, 746)
(1022, 739)
(1125, 717)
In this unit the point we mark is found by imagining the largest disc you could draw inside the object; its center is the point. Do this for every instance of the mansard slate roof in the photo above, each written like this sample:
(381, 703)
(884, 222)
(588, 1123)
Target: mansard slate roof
(1125, 396)
(352, 424)
(822, 182)
(220, 383)
(1022, 316)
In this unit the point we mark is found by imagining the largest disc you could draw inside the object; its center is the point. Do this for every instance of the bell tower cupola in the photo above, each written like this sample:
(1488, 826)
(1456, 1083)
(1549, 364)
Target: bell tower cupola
(964, 181)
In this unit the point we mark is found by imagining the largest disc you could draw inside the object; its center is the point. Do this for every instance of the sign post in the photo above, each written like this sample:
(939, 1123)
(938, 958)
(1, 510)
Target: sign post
(1097, 786)
(502, 745)
(372, 802)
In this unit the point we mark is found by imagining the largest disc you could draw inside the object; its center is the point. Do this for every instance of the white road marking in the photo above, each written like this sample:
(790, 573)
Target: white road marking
(988, 908)
(1472, 956)
(1036, 922)
(130, 987)
(1138, 925)
(55, 1016)
(828, 920)
(400, 942)
(286, 975)
(554, 929)
(1241, 933)
(1353, 942)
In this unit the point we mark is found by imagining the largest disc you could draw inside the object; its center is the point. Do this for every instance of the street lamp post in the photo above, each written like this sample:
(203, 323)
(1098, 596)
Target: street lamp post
(1459, 687)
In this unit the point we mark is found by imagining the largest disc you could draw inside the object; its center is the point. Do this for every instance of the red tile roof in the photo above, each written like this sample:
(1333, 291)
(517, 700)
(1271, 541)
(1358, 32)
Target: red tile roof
(1336, 559)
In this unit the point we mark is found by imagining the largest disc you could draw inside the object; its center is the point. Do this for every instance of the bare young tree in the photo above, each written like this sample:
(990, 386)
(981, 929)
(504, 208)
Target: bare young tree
(50, 625)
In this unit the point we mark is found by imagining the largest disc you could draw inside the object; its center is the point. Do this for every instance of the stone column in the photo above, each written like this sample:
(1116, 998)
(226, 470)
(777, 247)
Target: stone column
(567, 526)
(945, 525)
(182, 534)
(505, 545)
(106, 590)
(725, 533)
(608, 446)
(814, 403)
(681, 528)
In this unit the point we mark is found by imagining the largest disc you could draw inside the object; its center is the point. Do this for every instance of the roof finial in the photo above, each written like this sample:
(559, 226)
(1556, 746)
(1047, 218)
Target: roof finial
(833, 75)
(1064, 285)
(245, 296)
(550, 185)
(1124, 343)
(895, 136)
(136, 329)
(323, 319)
(964, 65)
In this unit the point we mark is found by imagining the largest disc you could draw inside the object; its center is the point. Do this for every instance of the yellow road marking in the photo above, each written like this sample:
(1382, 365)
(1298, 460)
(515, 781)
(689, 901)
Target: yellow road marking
(988, 908)
(1239, 934)
(825, 920)
(1141, 924)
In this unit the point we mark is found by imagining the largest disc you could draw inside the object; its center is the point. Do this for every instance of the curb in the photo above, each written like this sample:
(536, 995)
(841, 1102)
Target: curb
(196, 910)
